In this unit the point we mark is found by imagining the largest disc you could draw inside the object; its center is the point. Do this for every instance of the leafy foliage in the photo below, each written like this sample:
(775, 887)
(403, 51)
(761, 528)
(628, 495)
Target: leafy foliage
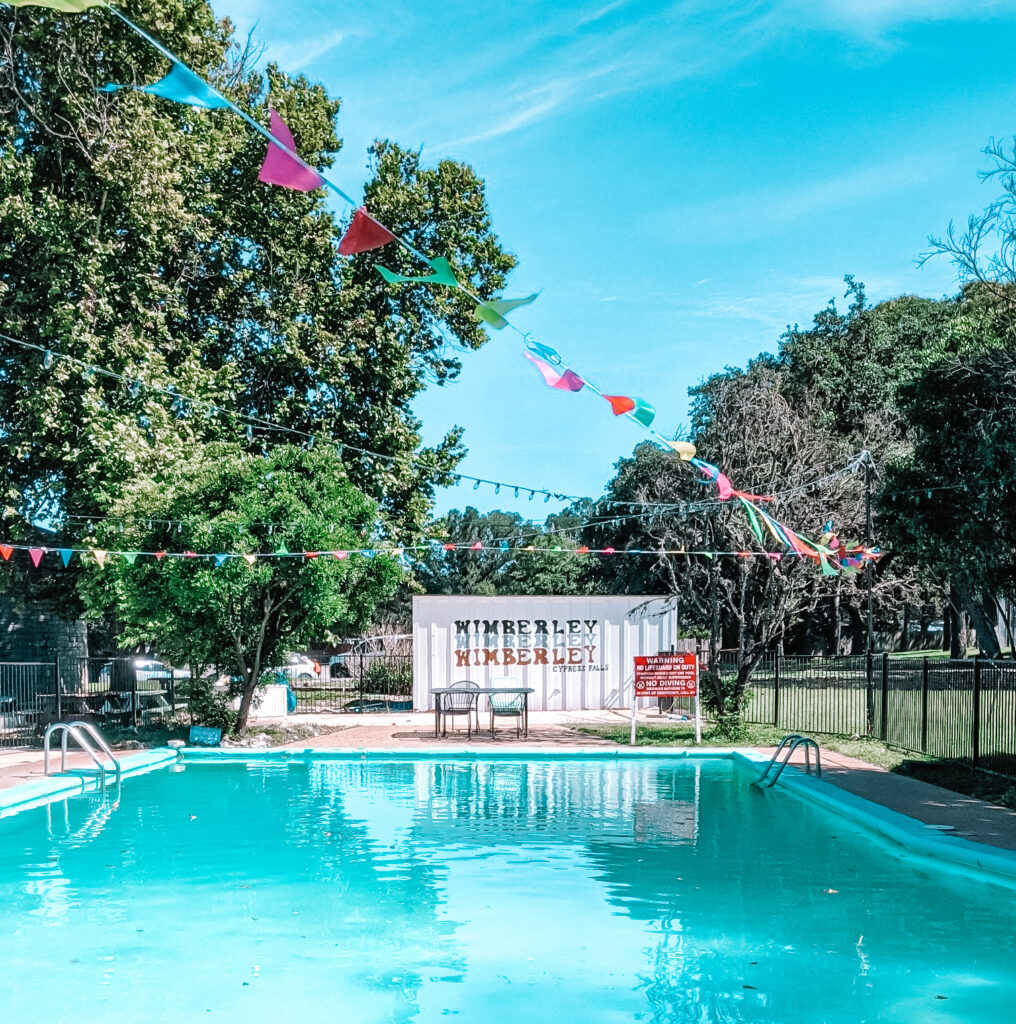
(241, 618)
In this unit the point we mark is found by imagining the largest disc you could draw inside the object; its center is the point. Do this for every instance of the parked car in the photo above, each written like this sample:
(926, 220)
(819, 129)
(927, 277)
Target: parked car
(391, 643)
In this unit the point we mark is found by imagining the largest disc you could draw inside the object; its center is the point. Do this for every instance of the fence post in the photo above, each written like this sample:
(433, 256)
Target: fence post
(134, 694)
(56, 685)
(869, 694)
(776, 689)
(975, 724)
(924, 706)
(885, 696)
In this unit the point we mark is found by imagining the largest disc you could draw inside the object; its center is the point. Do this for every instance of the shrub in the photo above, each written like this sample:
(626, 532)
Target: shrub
(391, 678)
(210, 707)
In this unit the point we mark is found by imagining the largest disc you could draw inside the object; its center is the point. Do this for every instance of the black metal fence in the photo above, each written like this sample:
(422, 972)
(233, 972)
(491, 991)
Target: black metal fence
(963, 710)
(120, 691)
(355, 682)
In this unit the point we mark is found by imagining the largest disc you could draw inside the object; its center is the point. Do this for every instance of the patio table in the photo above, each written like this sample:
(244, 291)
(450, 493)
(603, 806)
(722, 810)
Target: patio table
(482, 691)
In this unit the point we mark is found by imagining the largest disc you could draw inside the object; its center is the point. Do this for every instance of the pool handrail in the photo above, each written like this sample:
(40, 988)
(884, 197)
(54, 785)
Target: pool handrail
(84, 733)
(791, 741)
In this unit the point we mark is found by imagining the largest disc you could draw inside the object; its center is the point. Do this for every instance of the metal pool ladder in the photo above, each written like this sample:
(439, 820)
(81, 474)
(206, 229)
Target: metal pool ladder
(790, 743)
(85, 733)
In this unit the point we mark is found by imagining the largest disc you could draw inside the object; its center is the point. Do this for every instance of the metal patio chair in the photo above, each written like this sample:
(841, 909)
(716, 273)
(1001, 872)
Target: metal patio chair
(506, 705)
(465, 703)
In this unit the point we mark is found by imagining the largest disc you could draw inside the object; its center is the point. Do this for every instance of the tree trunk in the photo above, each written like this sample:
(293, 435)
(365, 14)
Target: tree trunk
(956, 646)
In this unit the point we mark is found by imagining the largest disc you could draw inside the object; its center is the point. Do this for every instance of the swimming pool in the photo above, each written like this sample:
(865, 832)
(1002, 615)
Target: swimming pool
(396, 890)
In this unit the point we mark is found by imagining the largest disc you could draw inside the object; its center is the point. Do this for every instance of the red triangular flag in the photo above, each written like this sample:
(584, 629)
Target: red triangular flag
(160, 555)
(36, 555)
(364, 233)
(620, 404)
(6, 550)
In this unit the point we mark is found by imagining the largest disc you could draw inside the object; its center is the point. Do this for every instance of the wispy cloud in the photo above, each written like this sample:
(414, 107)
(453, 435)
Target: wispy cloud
(602, 12)
(757, 213)
(295, 56)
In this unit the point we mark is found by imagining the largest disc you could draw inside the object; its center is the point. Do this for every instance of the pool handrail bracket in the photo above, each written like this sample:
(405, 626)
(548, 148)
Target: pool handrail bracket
(790, 743)
(84, 733)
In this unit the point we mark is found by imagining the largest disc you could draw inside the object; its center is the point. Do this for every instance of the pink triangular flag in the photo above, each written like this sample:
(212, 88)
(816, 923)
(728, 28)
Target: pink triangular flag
(36, 555)
(6, 550)
(282, 169)
(563, 380)
(364, 233)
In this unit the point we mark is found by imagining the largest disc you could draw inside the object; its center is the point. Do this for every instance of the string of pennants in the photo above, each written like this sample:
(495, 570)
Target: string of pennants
(284, 167)
(854, 556)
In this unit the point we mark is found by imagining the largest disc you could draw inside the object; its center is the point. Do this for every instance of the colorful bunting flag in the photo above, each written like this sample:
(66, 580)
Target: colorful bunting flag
(279, 168)
(250, 559)
(160, 555)
(282, 549)
(6, 550)
(364, 233)
(36, 555)
(620, 404)
(180, 85)
(100, 556)
(66, 6)
(66, 554)
(442, 274)
(564, 380)
(131, 556)
(643, 412)
(493, 312)
(545, 352)
(684, 449)
(341, 555)
(219, 560)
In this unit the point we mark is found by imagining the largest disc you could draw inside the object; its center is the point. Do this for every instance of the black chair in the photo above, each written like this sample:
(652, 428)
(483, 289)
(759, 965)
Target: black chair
(464, 702)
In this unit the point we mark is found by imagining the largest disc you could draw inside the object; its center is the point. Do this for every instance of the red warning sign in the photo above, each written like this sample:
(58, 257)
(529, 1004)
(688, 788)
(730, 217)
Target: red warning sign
(674, 674)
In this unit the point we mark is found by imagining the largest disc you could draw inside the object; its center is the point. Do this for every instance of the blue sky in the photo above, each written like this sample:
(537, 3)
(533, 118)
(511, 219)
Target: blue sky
(682, 180)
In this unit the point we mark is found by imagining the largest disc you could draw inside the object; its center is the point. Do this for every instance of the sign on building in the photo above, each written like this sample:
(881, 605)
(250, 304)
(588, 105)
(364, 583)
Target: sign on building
(576, 652)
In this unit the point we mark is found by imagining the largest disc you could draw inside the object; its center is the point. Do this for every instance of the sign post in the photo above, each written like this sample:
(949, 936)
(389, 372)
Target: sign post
(673, 674)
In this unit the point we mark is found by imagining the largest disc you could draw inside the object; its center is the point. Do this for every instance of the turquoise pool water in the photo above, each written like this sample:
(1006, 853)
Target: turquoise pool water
(490, 891)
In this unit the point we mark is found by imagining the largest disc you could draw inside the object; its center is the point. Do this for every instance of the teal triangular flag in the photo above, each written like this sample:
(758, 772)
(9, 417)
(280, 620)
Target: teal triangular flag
(493, 312)
(219, 559)
(643, 412)
(181, 85)
(66, 554)
(442, 275)
(131, 556)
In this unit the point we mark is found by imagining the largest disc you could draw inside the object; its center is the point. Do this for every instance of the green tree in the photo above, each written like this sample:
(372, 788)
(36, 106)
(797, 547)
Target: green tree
(241, 618)
(135, 235)
(550, 566)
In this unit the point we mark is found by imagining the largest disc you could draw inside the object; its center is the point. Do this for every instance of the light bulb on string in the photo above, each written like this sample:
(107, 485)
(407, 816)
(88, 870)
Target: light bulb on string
(250, 432)
(497, 488)
(310, 443)
(516, 492)
(47, 360)
(476, 486)
(135, 388)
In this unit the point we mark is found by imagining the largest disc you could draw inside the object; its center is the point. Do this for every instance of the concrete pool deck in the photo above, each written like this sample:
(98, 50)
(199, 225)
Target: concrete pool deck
(958, 815)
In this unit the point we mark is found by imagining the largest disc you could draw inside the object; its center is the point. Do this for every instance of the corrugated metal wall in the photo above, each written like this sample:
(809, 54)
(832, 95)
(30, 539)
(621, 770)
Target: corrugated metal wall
(576, 652)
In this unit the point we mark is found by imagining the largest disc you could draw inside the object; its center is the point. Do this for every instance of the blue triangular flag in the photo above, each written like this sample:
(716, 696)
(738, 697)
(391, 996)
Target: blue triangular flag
(182, 86)
(66, 554)
(504, 545)
(219, 559)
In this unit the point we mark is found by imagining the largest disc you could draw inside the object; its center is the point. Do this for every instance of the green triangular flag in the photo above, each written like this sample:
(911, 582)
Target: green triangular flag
(130, 556)
(67, 6)
(442, 275)
(493, 312)
(282, 549)
(643, 412)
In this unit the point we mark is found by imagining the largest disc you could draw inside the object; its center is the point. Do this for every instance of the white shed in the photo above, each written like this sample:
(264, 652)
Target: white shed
(576, 652)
